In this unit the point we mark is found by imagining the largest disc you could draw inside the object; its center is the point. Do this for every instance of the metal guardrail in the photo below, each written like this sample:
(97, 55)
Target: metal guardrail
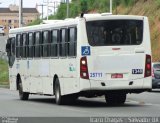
(3, 54)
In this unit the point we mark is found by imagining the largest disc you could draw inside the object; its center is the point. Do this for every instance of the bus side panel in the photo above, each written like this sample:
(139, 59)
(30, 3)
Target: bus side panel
(146, 37)
(34, 79)
(13, 77)
(25, 83)
(68, 85)
(22, 70)
(66, 70)
(84, 84)
(47, 85)
(12, 80)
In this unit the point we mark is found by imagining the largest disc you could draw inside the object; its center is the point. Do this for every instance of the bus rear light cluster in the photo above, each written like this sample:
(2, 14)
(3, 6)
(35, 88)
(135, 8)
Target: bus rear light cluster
(148, 66)
(84, 68)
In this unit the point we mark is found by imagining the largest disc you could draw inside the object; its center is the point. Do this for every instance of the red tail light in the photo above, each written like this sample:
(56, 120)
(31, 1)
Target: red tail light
(84, 68)
(148, 66)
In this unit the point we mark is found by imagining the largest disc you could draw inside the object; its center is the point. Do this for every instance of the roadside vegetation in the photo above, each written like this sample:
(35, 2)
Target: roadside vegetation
(4, 72)
(88, 6)
(149, 8)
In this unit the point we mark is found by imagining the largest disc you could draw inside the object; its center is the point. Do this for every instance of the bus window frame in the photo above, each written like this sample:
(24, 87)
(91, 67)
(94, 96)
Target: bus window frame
(46, 43)
(31, 45)
(18, 44)
(24, 45)
(39, 44)
(75, 41)
(57, 44)
(64, 43)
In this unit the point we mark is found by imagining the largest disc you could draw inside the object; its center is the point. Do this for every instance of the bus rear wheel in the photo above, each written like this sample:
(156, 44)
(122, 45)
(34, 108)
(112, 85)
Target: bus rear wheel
(115, 98)
(22, 95)
(66, 99)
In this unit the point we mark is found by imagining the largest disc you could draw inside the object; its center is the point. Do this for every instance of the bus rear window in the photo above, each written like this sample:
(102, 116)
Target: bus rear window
(114, 32)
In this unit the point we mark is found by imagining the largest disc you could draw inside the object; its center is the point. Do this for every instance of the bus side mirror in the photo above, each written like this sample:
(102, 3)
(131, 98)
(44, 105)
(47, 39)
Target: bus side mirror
(8, 48)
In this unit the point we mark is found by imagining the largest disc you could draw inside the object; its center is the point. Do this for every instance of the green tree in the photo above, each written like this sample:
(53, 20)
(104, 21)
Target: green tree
(127, 2)
(83, 6)
(36, 22)
(74, 11)
(61, 13)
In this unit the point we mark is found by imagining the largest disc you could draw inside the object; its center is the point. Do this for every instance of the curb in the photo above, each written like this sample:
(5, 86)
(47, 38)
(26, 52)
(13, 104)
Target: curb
(4, 86)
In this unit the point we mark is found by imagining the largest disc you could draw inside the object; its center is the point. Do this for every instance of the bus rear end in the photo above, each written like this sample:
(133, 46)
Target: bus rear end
(118, 60)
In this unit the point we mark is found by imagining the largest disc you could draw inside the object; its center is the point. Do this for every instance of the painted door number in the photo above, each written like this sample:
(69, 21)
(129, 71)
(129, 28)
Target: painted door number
(95, 75)
(137, 71)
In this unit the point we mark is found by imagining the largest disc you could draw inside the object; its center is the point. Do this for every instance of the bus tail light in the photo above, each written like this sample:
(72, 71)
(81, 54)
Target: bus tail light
(148, 66)
(84, 68)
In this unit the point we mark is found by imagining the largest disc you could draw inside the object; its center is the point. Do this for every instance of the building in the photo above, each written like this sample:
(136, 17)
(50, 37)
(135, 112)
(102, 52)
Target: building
(9, 17)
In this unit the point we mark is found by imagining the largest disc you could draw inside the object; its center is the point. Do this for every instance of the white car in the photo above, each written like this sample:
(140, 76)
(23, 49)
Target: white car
(2, 30)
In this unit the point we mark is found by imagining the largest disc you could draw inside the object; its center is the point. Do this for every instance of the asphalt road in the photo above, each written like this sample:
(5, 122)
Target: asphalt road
(136, 105)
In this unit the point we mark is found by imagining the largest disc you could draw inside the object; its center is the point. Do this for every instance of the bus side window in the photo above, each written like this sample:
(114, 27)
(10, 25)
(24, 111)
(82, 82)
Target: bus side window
(24, 40)
(18, 39)
(63, 45)
(72, 41)
(45, 45)
(8, 47)
(37, 36)
(13, 46)
(30, 46)
(54, 43)
(21, 47)
(27, 47)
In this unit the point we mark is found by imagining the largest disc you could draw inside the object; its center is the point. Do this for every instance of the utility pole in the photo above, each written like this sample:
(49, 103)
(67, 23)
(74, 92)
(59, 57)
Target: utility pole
(20, 13)
(54, 6)
(47, 8)
(42, 5)
(110, 6)
(67, 8)
(42, 11)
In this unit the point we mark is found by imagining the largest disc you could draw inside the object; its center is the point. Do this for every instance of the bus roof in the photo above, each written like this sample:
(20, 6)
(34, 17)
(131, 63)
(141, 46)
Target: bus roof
(74, 21)
(102, 16)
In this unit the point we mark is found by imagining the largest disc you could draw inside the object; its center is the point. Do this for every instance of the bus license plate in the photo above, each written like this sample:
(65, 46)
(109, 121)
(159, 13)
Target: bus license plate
(116, 75)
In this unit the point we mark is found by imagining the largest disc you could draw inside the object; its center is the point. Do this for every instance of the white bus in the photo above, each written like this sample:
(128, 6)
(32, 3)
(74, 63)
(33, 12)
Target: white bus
(91, 55)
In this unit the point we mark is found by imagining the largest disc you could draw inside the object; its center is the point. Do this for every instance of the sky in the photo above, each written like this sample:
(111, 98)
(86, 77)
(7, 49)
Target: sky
(30, 4)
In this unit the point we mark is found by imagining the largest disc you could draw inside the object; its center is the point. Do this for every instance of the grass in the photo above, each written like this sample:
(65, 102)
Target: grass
(4, 75)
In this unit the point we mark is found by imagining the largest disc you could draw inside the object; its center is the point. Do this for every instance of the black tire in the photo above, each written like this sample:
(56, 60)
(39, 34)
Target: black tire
(58, 97)
(22, 95)
(115, 98)
(61, 100)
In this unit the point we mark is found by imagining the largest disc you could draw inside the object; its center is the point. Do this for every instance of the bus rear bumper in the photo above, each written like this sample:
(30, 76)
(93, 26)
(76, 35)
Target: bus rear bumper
(138, 84)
